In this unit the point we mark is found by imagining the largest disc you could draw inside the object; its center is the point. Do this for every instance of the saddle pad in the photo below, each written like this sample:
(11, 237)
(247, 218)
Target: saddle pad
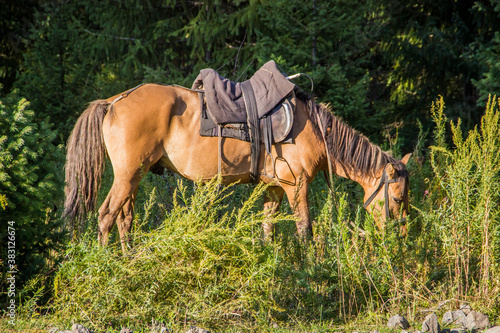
(281, 119)
(224, 98)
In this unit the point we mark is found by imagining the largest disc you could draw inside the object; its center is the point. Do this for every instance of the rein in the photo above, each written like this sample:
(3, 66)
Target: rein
(328, 158)
(384, 182)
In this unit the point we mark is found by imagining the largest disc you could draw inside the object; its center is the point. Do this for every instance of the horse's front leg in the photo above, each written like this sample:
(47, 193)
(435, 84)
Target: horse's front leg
(297, 196)
(272, 202)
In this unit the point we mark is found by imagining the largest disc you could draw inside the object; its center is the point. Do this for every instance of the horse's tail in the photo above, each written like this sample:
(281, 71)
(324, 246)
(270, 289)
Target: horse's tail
(85, 161)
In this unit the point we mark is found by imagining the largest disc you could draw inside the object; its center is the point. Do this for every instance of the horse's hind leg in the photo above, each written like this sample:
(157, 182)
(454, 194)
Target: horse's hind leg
(118, 206)
(124, 220)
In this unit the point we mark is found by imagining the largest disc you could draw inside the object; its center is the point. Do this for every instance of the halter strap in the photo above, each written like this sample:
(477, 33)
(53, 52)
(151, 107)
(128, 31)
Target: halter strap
(384, 182)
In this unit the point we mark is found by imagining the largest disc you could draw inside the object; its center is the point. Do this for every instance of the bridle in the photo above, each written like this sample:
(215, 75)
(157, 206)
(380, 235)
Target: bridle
(384, 182)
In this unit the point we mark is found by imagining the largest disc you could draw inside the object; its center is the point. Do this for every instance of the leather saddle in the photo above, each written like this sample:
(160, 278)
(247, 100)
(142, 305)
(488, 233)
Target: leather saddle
(259, 110)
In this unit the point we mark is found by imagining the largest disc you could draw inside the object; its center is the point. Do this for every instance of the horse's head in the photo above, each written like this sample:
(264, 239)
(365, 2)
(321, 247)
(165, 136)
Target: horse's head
(387, 197)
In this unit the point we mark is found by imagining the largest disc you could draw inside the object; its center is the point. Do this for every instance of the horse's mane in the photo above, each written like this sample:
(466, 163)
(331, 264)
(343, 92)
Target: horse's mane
(351, 149)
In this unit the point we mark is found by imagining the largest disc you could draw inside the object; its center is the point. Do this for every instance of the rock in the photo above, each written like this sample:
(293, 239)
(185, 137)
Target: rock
(126, 330)
(494, 329)
(159, 327)
(195, 329)
(476, 321)
(465, 308)
(453, 317)
(77, 328)
(431, 324)
(165, 330)
(398, 321)
(376, 331)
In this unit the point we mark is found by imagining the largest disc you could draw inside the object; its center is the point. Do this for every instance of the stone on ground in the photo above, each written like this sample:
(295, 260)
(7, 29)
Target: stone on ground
(398, 321)
(476, 321)
(77, 328)
(431, 324)
(453, 317)
(465, 308)
(494, 329)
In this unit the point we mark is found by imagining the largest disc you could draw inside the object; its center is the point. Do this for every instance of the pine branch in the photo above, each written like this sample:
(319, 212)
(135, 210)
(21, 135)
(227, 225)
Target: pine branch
(109, 36)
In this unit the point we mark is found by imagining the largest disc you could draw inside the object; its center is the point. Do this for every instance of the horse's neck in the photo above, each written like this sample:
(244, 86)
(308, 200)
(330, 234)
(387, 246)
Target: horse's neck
(350, 168)
(365, 180)
(352, 155)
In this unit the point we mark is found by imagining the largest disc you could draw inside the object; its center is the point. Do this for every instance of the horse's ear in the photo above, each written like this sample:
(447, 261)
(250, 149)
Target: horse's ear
(406, 158)
(390, 170)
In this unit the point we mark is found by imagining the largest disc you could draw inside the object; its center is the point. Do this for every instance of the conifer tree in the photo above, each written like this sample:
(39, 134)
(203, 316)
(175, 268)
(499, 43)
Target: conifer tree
(31, 183)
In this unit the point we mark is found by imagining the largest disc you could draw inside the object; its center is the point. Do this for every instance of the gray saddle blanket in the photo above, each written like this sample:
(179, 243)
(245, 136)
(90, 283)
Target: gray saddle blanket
(224, 98)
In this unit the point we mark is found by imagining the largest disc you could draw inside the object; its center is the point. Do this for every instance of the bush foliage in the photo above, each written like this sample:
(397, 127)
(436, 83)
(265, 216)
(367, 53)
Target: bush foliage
(31, 186)
(205, 263)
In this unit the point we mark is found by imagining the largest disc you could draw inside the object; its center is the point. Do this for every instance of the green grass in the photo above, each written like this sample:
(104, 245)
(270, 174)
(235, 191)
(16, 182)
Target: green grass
(197, 255)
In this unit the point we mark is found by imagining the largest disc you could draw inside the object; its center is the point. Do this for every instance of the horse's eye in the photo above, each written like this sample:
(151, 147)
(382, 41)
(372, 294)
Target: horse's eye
(398, 200)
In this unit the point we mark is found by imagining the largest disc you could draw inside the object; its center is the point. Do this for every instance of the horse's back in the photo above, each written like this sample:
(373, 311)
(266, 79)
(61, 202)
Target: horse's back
(156, 123)
(139, 124)
(153, 98)
(150, 108)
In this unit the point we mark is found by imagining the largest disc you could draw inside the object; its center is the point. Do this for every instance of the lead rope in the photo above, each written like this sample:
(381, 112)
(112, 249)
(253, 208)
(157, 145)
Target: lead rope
(320, 125)
(328, 158)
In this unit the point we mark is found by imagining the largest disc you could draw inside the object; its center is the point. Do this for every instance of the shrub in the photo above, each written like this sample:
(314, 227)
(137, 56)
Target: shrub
(30, 186)
(205, 264)
(466, 204)
(198, 257)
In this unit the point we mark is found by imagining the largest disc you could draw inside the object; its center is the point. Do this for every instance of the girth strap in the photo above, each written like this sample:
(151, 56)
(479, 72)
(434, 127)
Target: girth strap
(253, 124)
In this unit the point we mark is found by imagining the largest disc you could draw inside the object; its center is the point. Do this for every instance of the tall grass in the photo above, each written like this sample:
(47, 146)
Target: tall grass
(467, 185)
(197, 255)
(204, 264)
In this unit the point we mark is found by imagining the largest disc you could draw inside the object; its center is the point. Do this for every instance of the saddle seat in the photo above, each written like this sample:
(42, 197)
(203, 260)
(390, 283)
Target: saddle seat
(257, 110)
(224, 103)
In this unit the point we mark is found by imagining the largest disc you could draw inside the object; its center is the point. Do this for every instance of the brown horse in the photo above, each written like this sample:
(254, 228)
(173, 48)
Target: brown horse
(159, 125)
